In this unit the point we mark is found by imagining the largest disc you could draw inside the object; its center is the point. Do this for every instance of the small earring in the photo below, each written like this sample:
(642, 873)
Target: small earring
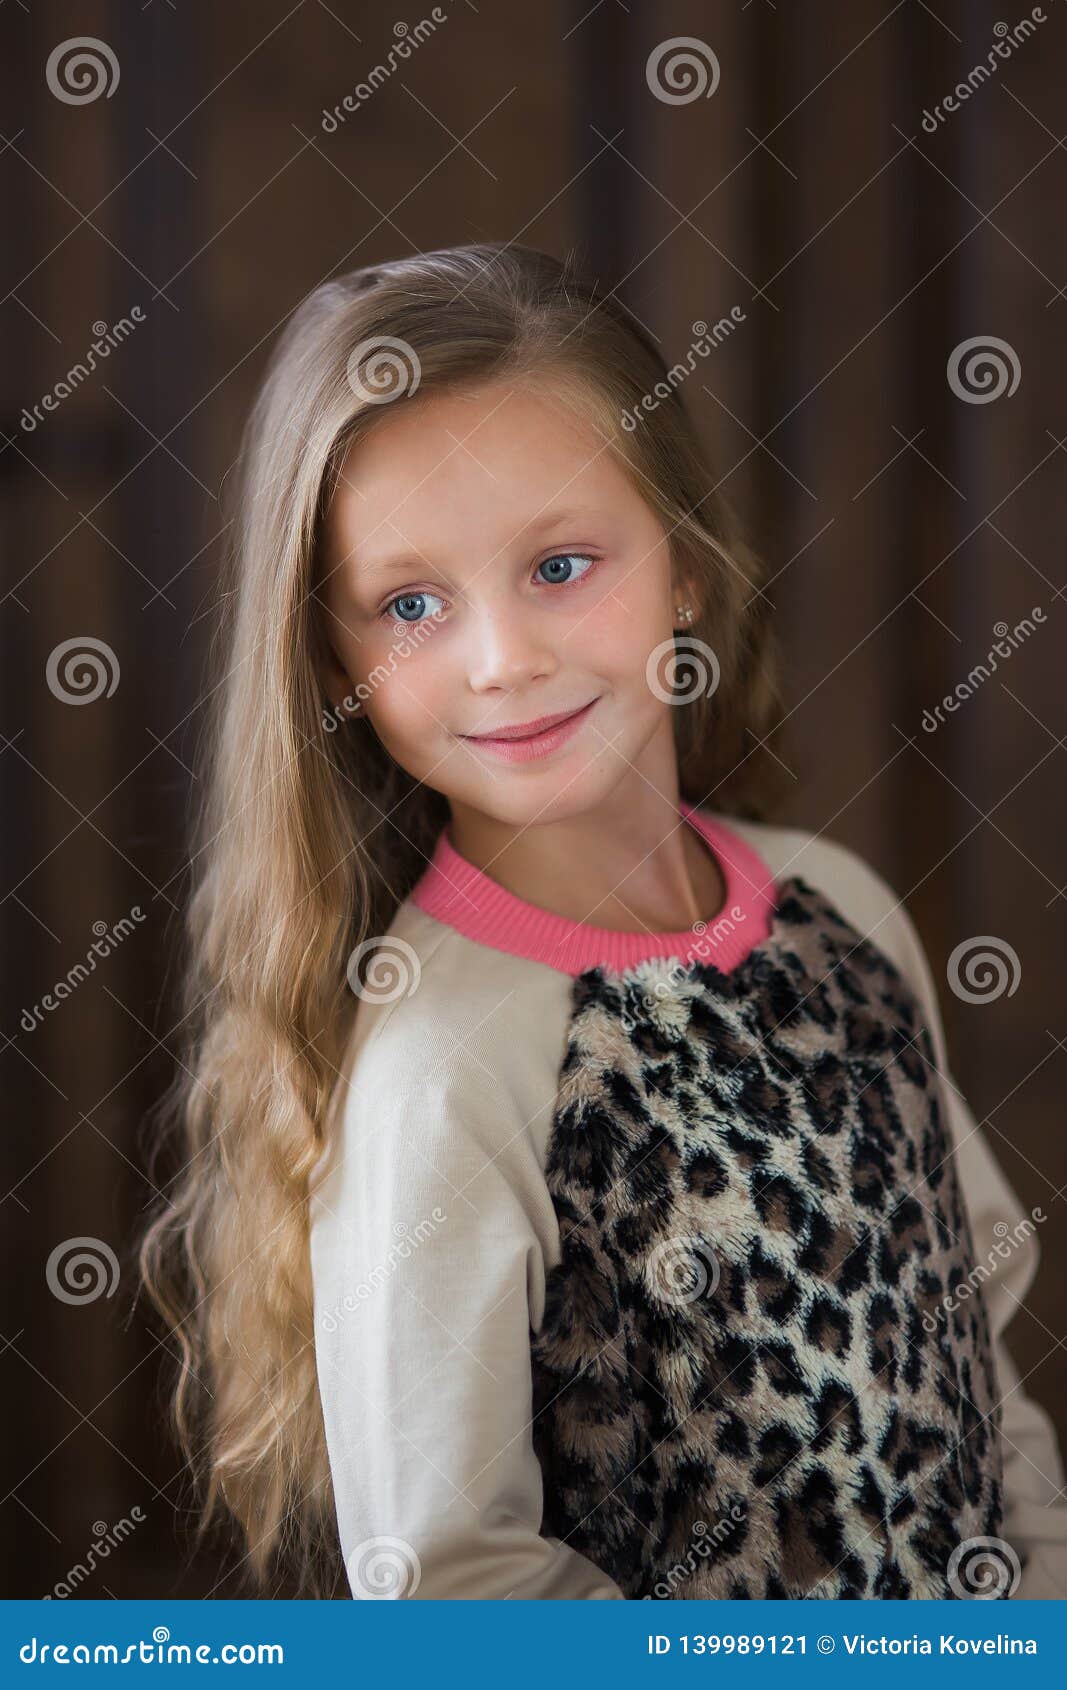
(685, 614)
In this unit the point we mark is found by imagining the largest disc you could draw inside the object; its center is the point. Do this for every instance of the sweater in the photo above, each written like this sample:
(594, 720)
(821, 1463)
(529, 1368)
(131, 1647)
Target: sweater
(671, 1265)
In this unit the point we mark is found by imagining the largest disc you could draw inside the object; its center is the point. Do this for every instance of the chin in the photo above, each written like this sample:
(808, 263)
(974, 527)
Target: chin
(542, 803)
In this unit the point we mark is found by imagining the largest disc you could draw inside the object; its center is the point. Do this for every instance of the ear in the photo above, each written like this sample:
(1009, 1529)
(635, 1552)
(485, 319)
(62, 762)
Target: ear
(684, 591)
(333, 678)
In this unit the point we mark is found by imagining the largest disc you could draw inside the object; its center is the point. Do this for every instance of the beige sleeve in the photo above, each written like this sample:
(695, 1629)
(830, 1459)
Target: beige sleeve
(425, 1243)
(1006, 1242)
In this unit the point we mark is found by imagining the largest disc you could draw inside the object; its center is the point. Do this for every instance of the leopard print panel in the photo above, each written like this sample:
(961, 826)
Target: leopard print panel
(743, 1385)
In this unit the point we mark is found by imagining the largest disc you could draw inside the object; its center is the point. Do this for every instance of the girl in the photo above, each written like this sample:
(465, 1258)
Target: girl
(576, 1201)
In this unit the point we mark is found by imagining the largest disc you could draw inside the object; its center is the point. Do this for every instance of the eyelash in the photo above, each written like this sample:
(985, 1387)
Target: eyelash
(386, 612)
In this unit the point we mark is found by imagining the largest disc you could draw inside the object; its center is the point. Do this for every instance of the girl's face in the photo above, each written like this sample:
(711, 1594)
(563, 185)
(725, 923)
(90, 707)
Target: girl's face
(487, 564)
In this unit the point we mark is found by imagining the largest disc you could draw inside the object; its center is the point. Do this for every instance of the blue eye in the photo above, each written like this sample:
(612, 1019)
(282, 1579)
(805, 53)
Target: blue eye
(407, 607)
(407, 599)
(566, 558)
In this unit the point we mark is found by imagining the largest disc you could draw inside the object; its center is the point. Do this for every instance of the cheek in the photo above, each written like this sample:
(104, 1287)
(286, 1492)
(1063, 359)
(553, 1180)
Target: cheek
(414, 693)
(616, 638)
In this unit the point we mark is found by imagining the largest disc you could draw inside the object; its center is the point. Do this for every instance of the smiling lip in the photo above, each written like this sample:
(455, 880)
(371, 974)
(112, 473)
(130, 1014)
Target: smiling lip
(526, 730)
(532, 739)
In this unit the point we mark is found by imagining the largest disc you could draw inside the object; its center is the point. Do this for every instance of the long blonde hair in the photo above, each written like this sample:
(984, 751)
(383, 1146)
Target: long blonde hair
(308, 840)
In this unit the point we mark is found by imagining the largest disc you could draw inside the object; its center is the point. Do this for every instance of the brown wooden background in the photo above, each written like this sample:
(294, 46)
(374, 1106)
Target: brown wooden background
(900, 522)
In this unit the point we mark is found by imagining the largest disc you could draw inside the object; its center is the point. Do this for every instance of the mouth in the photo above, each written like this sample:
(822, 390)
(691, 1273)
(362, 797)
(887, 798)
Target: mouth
(531, 739)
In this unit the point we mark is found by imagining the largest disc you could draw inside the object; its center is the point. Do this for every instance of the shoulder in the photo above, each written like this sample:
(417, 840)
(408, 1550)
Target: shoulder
(462, 1039)
(864, 898)
(846, 880)
(442, 1108)
(465, 1009)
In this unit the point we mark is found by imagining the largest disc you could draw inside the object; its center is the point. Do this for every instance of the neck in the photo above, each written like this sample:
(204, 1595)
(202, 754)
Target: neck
(736, 913)
(624, 869)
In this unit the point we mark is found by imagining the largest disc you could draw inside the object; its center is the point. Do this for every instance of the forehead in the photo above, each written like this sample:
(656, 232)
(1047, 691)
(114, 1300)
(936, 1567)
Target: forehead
(499, 455)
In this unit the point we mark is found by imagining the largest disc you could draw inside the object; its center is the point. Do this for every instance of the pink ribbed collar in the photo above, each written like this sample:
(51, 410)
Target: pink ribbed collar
(453, 891)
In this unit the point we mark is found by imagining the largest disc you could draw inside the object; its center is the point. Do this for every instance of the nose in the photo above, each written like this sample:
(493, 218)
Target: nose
(510, 649)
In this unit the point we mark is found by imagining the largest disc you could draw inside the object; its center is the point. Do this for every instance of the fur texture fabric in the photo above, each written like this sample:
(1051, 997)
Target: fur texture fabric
(745, 1383)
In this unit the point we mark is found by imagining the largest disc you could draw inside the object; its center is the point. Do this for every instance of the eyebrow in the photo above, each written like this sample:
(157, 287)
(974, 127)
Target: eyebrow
(388, 565)
(401, 563)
